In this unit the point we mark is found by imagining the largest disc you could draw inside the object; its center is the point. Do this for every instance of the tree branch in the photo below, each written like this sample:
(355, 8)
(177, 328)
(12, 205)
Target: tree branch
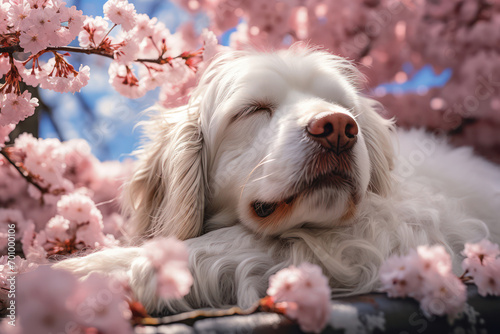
(11, 49)
(265, 304)
(25, 174)
(189, 318)
(76, 49)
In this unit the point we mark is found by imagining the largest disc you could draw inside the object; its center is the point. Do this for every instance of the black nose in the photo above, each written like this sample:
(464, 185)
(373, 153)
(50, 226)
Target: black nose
(333, 130)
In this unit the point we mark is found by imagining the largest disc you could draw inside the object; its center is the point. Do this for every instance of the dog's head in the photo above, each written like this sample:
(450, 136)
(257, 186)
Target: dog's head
(273, 141)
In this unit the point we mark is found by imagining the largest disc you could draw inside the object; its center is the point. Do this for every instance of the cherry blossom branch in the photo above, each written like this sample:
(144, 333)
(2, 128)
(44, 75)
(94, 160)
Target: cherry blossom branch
(94, 51)
(189, 318)
(24, 173)
(266, 304)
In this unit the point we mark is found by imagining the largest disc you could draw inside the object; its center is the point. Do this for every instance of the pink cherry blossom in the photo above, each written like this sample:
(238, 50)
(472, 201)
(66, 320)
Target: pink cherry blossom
(307, 293)
(81, 165)
(482, 263)
(33, 245)
(92, 235)
(55, 239)
(12, 185)
(155, 75)
(71, 83)
(73, 168)
(26, 142)
(17, 13)
(162, 250)
(78, 208)
(487, 278)
(479, 253)
(15, 218)
(174, 280)
(433, 259)
(62, 237)
(121, 12)
(176, 95)
(400, 277)
(127, 52)
(4, 133)
(15, 108)
(87, 223)
(74, 19)
(169, 256)
(58, 75)
(426, 275)
(81, 79)
(210, 44)
(57, 228)
(94, 31)
(125, 82)
(42, 20)
(155, 42)
(32, 76)
(445, 296)
(33, 40)
(42, 299)
(54, 301)
(46, 160)
(4, 23)
(10, 268)
(100, 302)
(144, 27)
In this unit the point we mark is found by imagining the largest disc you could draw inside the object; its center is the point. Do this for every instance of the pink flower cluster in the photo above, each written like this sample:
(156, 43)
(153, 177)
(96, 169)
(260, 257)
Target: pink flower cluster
(169, 257)
(78, 226)
(56, 74)
(16, 107)
(146, 39)
(41, 24)
(44, 27)
(59, 217)
(482, 263)
(304, 293)
(426, 275)
(142, 47)
(9, 269)
(4, 133)
(54, 301)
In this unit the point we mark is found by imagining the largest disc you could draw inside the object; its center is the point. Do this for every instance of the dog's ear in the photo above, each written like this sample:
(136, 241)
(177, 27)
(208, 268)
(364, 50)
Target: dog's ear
(377, 133)
(166, 194)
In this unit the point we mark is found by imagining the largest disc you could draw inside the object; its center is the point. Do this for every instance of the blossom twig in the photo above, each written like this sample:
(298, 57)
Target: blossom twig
(264, 305)
(24, 173)
(89, 51)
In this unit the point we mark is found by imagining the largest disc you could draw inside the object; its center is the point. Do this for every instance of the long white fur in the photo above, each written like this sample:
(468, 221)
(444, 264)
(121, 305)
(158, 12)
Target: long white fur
(201, 169)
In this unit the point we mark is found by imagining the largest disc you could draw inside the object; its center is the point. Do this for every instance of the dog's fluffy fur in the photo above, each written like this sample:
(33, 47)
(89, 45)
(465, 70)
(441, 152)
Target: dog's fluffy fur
(242, 140)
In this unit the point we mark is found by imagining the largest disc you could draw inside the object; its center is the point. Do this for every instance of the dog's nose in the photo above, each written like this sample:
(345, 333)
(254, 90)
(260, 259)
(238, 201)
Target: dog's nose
(333, 130)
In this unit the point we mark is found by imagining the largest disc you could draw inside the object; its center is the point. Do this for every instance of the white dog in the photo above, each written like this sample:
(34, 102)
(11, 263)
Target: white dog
(278, 159)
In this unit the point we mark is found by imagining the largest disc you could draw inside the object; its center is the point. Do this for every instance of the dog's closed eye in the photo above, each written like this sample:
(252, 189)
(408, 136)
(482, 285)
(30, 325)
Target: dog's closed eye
(252, 108)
